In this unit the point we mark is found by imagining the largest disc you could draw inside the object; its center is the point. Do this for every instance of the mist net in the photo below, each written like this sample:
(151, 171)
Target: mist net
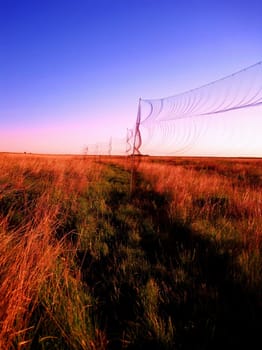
(114, 146)
(219, 117)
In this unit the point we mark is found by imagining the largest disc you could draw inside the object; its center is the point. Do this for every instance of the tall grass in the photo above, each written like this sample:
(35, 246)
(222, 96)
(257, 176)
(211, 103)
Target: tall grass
(89, 262)
(199, 194)
(207, 235)
(40, 289)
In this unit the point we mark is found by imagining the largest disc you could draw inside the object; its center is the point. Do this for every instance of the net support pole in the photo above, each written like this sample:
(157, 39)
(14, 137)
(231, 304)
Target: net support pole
(110, 146)
(136, 145)
(137, 136)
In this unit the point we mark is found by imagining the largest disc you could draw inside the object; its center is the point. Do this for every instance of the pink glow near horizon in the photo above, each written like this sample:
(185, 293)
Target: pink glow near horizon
(230, 135)
(60, 138)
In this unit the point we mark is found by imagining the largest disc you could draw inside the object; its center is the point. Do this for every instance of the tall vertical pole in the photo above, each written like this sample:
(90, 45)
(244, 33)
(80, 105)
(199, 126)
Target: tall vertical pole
(128, 138)
(110, 146)
(137, 136)
(136, 145)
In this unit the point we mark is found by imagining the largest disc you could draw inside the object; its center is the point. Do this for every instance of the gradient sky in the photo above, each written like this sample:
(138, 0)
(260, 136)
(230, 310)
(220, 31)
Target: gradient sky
(72, 71)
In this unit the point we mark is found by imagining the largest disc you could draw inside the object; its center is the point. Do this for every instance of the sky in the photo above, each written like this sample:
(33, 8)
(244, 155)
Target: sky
(72, 71)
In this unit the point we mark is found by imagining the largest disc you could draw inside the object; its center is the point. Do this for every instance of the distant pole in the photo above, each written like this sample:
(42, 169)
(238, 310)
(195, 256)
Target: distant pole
(127, 141)
(110, 146)
(129, 135)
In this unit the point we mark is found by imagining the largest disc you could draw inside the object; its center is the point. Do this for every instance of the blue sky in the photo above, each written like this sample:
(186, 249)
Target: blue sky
(72, 71)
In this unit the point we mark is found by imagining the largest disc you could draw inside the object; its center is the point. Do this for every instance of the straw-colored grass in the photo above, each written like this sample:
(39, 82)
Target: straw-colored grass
(129, 253)
(218, 198)
(37, 196)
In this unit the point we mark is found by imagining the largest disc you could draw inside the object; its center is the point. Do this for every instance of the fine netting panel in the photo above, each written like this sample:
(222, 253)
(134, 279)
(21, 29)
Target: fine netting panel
(224, 114)
(114, 146)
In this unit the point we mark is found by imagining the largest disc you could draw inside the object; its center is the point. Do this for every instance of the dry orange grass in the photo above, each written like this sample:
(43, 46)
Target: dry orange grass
(40, 281)
(33, 193)
(223, 204)
(187, 186)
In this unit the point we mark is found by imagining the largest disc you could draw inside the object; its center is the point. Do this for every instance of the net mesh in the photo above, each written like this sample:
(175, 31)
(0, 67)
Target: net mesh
(176, 124)
(114, 146)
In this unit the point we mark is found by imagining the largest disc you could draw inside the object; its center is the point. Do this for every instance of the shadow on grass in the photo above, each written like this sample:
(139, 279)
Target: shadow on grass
(197, 288)
(210, 307)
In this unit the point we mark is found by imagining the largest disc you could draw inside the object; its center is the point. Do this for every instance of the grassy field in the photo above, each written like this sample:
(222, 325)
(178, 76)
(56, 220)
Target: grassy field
(95, 255)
